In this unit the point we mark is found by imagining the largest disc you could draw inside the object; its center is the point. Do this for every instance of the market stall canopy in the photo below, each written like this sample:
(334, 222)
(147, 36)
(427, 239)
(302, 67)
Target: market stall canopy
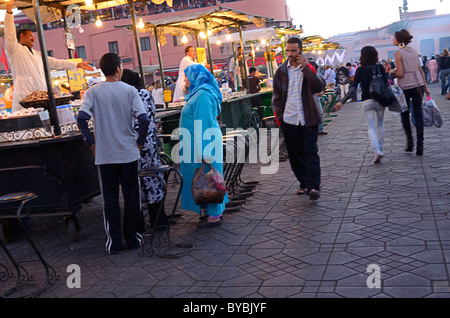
(250, 35)
(51, 9)
(316, 42)
(148, 69)
(288, 31)
(217, 19)
(256, 35)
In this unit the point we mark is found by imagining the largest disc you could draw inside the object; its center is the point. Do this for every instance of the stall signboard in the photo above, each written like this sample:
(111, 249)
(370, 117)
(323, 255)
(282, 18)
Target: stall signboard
(70, 41)
(201, 55)
(77, 79)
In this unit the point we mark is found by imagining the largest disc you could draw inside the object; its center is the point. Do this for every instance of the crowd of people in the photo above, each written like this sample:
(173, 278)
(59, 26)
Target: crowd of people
(297, 85)
(125, 140)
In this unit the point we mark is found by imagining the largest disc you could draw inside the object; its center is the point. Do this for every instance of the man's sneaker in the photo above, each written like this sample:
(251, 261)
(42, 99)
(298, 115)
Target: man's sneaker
(314, 194)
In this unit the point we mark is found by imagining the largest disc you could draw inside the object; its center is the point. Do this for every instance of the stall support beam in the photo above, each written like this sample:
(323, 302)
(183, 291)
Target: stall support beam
(161, 69)
(52, 103)
(63, 12)
(236, 78)
(211, 66)
(241, 36)
(137, 41)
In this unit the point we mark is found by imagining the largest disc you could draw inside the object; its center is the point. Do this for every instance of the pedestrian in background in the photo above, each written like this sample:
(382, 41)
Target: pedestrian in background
(152, 190)
(444, 65)
(373, 111)
(158, 94)
(425, 67)
(342, 78)
(433, 67)
(294, 100)
(411, 80)
(114, 105)
(351, 78)
(330, 77)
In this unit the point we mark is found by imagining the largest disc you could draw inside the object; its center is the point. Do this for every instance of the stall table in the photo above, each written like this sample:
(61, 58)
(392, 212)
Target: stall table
(67, 177)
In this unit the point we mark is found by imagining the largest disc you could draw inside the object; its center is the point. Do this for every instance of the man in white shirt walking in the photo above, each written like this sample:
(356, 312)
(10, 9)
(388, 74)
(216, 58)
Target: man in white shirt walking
(295, 89)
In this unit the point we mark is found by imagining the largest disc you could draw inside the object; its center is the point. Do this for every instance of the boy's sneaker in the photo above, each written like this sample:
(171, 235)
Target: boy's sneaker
(114, 252)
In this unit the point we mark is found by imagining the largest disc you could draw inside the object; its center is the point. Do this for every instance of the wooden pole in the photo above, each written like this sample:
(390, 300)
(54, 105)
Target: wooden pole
(51, 103)
(137, 40)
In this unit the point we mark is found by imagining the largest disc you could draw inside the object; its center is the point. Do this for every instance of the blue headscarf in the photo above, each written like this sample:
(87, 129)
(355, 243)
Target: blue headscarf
(201, 78)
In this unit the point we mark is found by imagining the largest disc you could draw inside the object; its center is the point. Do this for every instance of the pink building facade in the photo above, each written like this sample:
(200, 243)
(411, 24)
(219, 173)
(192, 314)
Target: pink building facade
(110, 37)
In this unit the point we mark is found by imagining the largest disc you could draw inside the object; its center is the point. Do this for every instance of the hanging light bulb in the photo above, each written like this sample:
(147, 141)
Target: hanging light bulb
(202, 35)
(263, 42)
(257, 48)
(218, 42)
(282, 39)
(184, 39)
(140, 24)
(98, 22)
(209, 32)
(88, 2)
(228, 36)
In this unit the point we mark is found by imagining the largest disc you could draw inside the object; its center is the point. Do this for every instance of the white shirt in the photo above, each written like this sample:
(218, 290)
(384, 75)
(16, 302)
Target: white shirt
(27, 66)
(114, 105)
(293, 111)
(158, 96)
(330, 76)
(178, 92)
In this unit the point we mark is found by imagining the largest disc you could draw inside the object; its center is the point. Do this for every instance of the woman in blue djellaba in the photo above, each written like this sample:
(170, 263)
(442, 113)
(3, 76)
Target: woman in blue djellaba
(201, 139)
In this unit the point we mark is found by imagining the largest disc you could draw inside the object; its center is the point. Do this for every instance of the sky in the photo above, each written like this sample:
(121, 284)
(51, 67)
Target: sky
(331, 17)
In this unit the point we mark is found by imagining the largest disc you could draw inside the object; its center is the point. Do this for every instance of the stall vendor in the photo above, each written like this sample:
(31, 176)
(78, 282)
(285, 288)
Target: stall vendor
(237, 68)
(189, 59)
(26, 63)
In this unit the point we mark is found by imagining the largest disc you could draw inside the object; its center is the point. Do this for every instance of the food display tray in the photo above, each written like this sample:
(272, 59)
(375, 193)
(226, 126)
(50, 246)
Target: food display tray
(43, 103)
(20, 123)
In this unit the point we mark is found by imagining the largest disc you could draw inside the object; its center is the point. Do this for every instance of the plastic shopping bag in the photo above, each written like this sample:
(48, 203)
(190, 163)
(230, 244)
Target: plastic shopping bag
(209, 187)
(399, 105)
(431, 114)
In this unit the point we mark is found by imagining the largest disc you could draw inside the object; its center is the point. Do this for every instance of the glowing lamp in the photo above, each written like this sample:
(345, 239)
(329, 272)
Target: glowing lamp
(140, 24)
(98, 22)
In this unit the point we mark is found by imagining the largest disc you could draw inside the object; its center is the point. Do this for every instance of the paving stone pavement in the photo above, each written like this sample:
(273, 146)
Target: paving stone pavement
(395, 215)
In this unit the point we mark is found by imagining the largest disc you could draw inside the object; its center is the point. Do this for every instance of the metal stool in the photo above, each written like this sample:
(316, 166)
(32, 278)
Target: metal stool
(50, 273)
(164, 243)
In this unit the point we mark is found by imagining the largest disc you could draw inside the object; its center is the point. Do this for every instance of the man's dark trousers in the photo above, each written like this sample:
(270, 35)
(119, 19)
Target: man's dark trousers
(125, 175)
(301, 143)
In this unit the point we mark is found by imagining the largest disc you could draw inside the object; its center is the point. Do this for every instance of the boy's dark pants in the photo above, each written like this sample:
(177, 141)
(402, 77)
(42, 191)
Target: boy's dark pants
(126, 175)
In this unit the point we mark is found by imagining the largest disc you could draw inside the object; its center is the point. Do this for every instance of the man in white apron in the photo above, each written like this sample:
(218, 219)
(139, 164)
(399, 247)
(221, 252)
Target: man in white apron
(189, 59)
(26, 63)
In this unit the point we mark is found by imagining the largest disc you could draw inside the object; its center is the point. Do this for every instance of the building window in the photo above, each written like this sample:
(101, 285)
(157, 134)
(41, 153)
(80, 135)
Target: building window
(444, 43)
(113, 47)
(427, 47)
(50, 53)
(145, 44)
(81, 51)
(177, 40)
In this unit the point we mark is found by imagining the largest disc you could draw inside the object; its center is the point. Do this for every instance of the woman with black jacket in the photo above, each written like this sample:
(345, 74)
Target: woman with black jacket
(372, 109)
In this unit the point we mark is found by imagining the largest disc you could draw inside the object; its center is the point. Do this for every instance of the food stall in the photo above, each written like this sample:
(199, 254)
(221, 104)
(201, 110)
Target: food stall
(47, 155)
(203, 24)
(268, 39)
